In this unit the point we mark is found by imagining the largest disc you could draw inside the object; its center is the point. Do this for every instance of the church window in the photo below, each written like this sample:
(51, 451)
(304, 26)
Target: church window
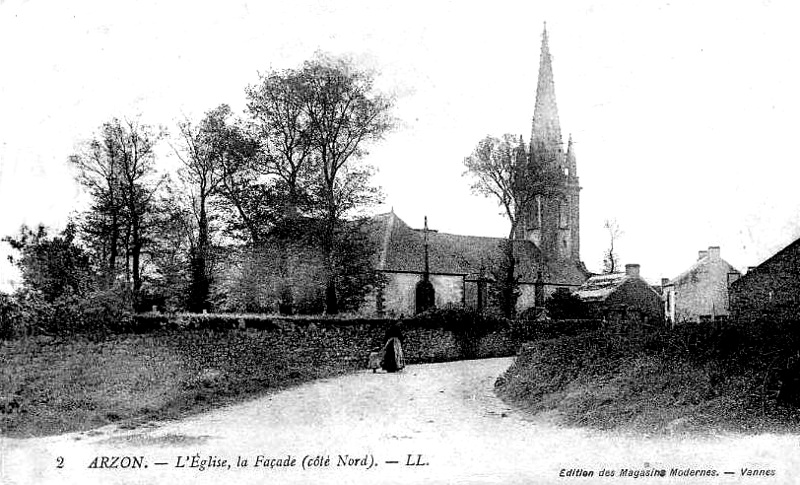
(537, 221)
(563, 215)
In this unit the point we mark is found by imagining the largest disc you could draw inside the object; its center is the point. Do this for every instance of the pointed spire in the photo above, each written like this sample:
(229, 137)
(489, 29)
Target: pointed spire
(521, 160)
(572, 165)
(546, 130)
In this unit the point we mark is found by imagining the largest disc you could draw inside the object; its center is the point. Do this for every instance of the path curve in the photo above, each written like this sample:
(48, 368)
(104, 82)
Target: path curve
(444, 419)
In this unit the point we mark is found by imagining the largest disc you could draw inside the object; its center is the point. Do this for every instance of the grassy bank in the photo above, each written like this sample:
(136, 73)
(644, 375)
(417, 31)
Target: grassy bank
(51, 385)
(660, 381)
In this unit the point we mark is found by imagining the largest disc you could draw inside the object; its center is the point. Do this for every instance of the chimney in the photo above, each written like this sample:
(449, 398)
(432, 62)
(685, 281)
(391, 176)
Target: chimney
(664, 282)
(713, 253)
(701, 254)
(632, 269)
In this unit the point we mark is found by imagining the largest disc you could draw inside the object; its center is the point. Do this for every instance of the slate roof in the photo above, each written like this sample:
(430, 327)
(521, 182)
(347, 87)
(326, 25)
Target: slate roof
(598, 288)
(775, 258)
(401, 248)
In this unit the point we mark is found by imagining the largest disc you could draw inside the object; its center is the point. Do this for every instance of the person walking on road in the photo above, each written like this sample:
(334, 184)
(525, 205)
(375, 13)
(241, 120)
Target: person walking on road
(393, 359)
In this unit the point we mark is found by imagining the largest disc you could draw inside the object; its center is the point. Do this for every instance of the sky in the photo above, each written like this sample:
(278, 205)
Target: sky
(682, 113)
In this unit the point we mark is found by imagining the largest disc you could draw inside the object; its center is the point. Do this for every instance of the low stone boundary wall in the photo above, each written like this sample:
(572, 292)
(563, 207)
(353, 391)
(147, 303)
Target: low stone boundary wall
(347, 339)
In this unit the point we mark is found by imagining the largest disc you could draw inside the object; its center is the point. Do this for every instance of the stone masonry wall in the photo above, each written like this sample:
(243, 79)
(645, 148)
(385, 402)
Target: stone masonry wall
(703, 293)
(348, 340)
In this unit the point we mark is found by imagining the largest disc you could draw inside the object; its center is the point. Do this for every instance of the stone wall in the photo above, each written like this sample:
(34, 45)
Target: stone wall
(449, 290)
(348, 340)
(527, 296)
(399, 293)
(703, 292)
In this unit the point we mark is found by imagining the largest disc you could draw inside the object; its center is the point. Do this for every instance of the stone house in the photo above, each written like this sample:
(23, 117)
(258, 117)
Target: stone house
(771, 289)
(701, 292)
(622, 296)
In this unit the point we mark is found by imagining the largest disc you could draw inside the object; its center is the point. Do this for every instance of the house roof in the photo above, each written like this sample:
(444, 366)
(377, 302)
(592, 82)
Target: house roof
(401, 248)
(697, 267)
(792, 246)
(598, 288)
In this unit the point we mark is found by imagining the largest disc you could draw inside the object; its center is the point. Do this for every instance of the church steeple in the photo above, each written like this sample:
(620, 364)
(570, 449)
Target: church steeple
(552, 219)
(546, 130)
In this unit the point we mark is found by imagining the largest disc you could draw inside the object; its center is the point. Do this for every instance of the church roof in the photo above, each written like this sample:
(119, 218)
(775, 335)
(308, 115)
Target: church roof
(401, 248)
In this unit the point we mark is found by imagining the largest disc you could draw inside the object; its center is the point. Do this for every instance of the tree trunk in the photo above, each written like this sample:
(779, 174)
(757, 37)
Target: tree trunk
(114, 239)
(331, 299)
(128, 253)
(136, 251)
(200, 281)
(509, 282)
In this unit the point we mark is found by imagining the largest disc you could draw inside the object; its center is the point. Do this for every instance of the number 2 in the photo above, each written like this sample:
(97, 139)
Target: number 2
(60, 461)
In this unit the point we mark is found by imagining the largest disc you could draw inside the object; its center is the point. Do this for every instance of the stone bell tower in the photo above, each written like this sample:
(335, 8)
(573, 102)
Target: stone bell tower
(551, 219)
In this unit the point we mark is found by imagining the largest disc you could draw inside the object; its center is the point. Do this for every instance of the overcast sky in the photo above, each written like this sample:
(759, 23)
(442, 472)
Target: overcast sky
(683, 115)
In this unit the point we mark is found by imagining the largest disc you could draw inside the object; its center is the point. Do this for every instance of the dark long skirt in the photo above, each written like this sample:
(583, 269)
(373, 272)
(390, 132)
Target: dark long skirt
(393, 359)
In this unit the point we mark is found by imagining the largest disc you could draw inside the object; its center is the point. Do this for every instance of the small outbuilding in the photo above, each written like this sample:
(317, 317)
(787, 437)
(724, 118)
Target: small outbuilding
(622, 296)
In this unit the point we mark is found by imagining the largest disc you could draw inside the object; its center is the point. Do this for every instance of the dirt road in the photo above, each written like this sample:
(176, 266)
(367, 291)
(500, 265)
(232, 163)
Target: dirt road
(436, 423)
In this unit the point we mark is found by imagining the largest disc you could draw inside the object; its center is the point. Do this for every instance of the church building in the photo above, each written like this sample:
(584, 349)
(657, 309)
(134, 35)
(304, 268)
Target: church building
(458, 268)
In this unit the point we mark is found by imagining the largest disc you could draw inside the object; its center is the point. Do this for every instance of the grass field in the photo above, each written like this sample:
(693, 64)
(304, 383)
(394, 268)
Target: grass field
(51, 386)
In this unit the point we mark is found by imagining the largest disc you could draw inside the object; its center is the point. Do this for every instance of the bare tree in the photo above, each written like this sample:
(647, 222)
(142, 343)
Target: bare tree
(610, 256)
(500, 170)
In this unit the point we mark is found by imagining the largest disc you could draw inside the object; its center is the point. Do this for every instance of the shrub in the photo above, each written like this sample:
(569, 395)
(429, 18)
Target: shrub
(10, 317)
(563, 304)
(109, 310)
(144, 322)
(52, 266)
(98, 312)
(35, 313)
